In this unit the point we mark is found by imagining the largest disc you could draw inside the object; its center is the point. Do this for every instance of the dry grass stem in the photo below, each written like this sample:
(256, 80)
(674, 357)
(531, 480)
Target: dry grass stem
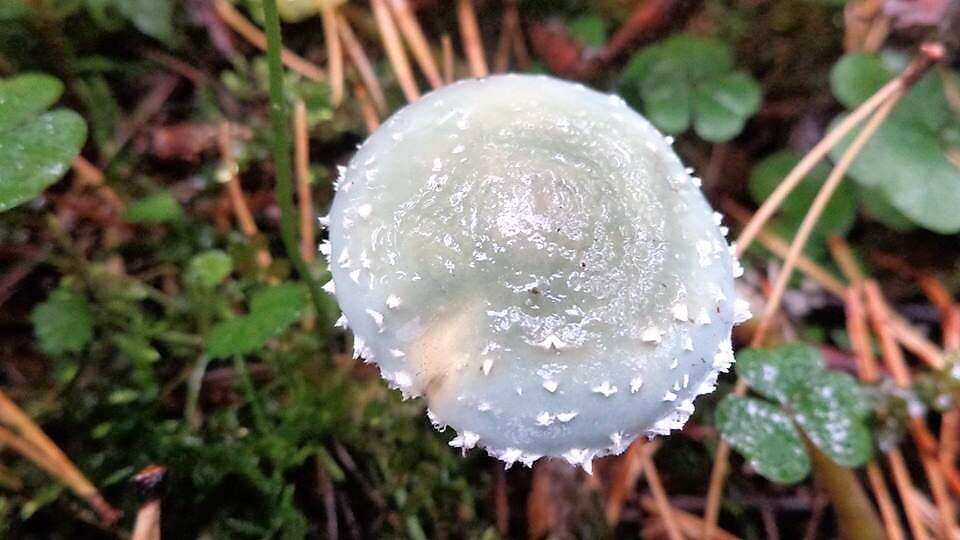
(664, 509)
(301, 145)
(238, 201)
(334, 51)
(470, 35)
(360, 60)
(367, 110)
(256, 37)
(413, 34)
(394, 48)
(446, 48)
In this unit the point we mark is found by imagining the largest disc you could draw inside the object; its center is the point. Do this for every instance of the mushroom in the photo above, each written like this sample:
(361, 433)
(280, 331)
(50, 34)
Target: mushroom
(532, 258)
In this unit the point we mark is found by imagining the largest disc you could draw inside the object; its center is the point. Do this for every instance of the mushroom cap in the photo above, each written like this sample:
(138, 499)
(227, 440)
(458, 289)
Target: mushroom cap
(532, 258)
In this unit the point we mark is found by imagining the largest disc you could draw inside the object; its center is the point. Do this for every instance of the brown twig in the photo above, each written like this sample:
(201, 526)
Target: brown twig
(256, 37)
(238, 201)
(896, 364)
(328, 13)
(367, 111)
(394, 48)
(629, 470)
(868, 372)
(31, 442)
(446, 48)
(508, 27)
(664, 509)
(358, 56)
(470, 35)
(301, 145)
(929, 55)
(413, 34)
(780, 248)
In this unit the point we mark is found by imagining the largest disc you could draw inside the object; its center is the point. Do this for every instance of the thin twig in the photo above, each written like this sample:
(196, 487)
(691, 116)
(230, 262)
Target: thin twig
(446, 48)
(816, 210)
(896, 364)
(328, 13)
(629, 470)
(867, 372)
(256, 37)
(413, 34)
(929, 54)
(34, 444)
(301, 146)
(780, 248)
(238, 201)
(394, 48)
(508, 24)
(660, 496)
(470, 35)
(369, 114)
(358, 56)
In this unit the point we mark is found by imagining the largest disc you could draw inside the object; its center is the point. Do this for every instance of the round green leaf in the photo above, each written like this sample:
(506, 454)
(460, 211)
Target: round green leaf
(723, 105)
(209, 269)
(63, 323)
(24, 97)
(158, 208)
(834, 414)
(765, 435)
(36, 154)
(779, 373)
(855, 77)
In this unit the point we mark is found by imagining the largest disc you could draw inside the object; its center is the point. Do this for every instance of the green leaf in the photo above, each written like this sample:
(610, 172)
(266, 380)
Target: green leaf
(271, 312)
(13, 9)
(876, 206)
(278, 307)
(63, 322)
(912, 159)
(667, 102)
(24, 97)
(686, 78)
(297, 10)
(590, 30)
(209, 269)
(722, 106)
(856, 77)
(152, 17)
(830, 406)
(35, 148)
(161, 207)
(779, 373)
(833, 411)
(839, 214)
(764, 435)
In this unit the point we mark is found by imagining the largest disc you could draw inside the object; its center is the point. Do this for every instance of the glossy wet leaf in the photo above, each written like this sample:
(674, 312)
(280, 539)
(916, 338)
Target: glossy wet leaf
(35, 147)
(779, 373)
(272, 311)
(63, 323)
(766, 436)
(833, 411)
(839, 214)
(686, 79)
